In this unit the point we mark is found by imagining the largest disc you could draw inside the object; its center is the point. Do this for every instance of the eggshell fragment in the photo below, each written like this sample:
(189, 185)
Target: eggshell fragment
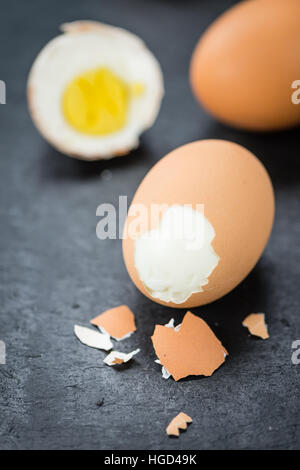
(171, 324)
(165, 374)
(179, 422)
(92, 338)
(192, 350)
(80, 26)
(118, 322)
(255, 322)
(117, 358)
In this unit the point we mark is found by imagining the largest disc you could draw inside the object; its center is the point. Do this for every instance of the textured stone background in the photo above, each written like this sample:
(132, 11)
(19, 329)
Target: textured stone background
(55, 272)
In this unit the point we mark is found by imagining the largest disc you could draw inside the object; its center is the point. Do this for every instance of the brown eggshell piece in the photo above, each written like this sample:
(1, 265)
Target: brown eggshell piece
(118, 361)
(244, 65)
(255, 322)
(193, 350)
(179, 422)
(238, 200)
(117, 322)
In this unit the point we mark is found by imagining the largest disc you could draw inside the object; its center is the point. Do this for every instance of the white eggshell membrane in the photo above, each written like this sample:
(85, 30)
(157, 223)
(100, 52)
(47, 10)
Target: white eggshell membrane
(119, 356)
(92, 338)
(175, 260)
(164, 372)
(85, 46)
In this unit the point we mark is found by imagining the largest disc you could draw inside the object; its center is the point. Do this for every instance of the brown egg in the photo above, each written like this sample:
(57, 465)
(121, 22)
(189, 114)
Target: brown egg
(219, 245)
(244, 65)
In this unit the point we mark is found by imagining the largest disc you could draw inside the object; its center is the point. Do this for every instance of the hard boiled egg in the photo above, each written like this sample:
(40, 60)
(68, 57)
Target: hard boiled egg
(94, 89)
(198, 223)
(245, 65)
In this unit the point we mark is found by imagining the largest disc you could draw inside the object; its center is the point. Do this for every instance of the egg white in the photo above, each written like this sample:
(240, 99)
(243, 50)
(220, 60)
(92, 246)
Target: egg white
(87, 45)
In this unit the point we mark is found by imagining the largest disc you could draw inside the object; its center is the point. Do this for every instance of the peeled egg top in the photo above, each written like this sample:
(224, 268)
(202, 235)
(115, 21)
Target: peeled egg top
(244, 65)
(198, 223)
(94, 89)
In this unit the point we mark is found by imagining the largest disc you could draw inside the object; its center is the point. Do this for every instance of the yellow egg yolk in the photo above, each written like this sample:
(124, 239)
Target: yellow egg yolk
(97, 101)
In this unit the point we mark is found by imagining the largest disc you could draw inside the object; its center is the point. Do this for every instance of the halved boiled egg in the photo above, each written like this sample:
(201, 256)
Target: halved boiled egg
(94, 89)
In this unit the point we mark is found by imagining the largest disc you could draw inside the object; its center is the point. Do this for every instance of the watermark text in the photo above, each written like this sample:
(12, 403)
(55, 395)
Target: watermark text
(2, 352)
(296, 352)
(296, 93)
(2, 92)
(181, 222)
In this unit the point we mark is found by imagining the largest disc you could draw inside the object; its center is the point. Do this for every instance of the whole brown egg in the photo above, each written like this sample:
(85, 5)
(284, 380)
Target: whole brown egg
(246, 64)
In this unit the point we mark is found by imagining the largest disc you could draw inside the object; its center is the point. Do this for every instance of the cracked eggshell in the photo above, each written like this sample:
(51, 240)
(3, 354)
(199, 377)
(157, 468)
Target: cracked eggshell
(86, 45)
(238, 200)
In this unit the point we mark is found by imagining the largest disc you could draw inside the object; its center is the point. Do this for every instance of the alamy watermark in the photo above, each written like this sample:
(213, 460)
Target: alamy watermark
(296, 93)
(2, 352)
(2, 92)
(182, 223)
(296, 353)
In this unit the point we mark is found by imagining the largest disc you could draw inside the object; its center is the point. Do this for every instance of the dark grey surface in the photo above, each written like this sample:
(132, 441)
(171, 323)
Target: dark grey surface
(55, 272)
